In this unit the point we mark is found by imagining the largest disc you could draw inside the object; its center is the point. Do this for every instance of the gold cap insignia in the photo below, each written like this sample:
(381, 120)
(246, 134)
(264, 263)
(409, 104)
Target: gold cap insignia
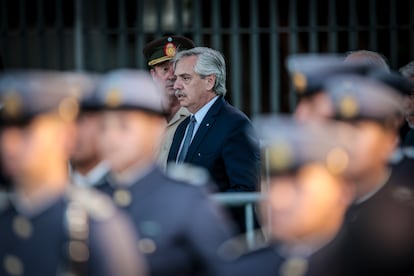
(12, 104)
(348, 107)
(170, 49)
(113, 98)
(299, 81)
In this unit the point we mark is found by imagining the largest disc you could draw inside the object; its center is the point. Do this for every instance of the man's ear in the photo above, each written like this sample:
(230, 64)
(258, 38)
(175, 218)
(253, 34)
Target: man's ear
(152, 72)
(211, 81)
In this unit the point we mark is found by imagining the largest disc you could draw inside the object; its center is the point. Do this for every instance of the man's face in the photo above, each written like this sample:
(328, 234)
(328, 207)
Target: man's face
(129, 138)
(86, 147)
(409, 109)
(304, 206)
(163, 73)
(192, 91)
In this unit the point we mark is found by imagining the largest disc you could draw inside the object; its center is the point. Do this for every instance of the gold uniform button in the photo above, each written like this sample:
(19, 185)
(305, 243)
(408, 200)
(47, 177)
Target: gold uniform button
(122, 198)
(13, 265)
(147, 246)
(294, 267)
(22, 227)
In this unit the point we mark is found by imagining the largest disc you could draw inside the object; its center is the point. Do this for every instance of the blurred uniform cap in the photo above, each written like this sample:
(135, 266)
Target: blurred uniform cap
(355, 98)
(309, 71)
(165, 48)
(288, 145)
(26, 94)
(125, 89)
(394, 80)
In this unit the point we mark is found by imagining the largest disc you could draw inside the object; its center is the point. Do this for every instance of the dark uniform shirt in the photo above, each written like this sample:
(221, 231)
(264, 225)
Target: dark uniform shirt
(180, 229)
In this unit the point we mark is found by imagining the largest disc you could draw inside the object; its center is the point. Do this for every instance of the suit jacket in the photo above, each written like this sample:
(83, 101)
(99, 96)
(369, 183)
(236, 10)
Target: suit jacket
(226, 145)
(180, 228)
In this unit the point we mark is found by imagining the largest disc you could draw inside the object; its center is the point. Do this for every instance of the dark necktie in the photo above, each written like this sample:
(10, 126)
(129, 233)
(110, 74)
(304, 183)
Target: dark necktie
(187, 140)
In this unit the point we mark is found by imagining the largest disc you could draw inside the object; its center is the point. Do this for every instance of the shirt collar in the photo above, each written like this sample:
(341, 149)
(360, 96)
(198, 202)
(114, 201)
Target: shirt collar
(199, 115)
(92, 178)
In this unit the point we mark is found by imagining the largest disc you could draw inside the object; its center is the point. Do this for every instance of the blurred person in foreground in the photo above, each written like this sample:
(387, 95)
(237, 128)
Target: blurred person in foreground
(88, 168)
(49, 227)
(179, 226)
(304, 194)
(408, 138)
(376, 235)
(368, 58)
(159, 54)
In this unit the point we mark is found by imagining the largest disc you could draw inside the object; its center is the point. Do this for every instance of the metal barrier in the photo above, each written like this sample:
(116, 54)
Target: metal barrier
(242, 199)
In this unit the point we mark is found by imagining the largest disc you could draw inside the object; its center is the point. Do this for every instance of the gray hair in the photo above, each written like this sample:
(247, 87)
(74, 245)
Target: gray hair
(209, 62)
(408, 70)
(369, 58)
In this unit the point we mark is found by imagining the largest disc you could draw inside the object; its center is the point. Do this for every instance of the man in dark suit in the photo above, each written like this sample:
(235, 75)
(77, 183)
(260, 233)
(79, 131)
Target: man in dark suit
(222, 139)
(180, 228)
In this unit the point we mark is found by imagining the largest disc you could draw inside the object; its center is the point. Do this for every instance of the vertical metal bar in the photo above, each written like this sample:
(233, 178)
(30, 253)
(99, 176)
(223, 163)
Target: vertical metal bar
(178, 16)
(78, 39)
(411, 28)
(24, 57)
(255, 84)
(394, 34)
(140, 35)
(248, 209)
(158, 7)
(313, 35)
(216, 19)
(353, 25)
(274, 58)
(42, 37)
(373, 34)
(293, 45)
(236, 61)
(102, 62)
(122, 32)
(333, 35)
(60, 35)
(5, 54)
(197, 19)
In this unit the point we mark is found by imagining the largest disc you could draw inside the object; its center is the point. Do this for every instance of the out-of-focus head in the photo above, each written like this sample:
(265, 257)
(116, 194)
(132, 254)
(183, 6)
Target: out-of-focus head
(133, 119)
(37, 112)
(299, 162)
(408, 72)
(309, 72)
(369, 58)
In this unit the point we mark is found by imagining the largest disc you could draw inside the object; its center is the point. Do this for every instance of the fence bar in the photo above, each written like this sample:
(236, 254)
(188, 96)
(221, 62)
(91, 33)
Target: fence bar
(160, 11)
(41, 34)
(235, 57)
(24, 57)
(140, 36)
(255, 85)
(393, 33)
(5, 56)
(274, 58)
(248, 210)
(79, 65)
(373, 34)
(353, 23)
(178, 16)
(216, 20)
(293, 46)
(197, 17)
(60, 35)
(332, 35)
(313, 34)
(122, 49)
(411, 28)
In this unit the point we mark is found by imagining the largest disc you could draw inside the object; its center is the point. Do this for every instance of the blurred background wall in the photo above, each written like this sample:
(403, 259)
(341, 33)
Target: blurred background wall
(254, 35)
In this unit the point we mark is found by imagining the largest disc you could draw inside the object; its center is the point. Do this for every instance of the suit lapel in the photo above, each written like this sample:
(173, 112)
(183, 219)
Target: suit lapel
(204, 127)
(178, 137)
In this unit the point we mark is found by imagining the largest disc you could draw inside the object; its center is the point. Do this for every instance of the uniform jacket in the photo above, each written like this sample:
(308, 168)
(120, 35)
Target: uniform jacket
(180, 228)
(226, 145)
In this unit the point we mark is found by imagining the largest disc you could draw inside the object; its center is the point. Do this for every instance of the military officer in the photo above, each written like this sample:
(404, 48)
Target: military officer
(159, 54)
(180, 228)
(304, 190)
(49, 227)
(375, 238)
